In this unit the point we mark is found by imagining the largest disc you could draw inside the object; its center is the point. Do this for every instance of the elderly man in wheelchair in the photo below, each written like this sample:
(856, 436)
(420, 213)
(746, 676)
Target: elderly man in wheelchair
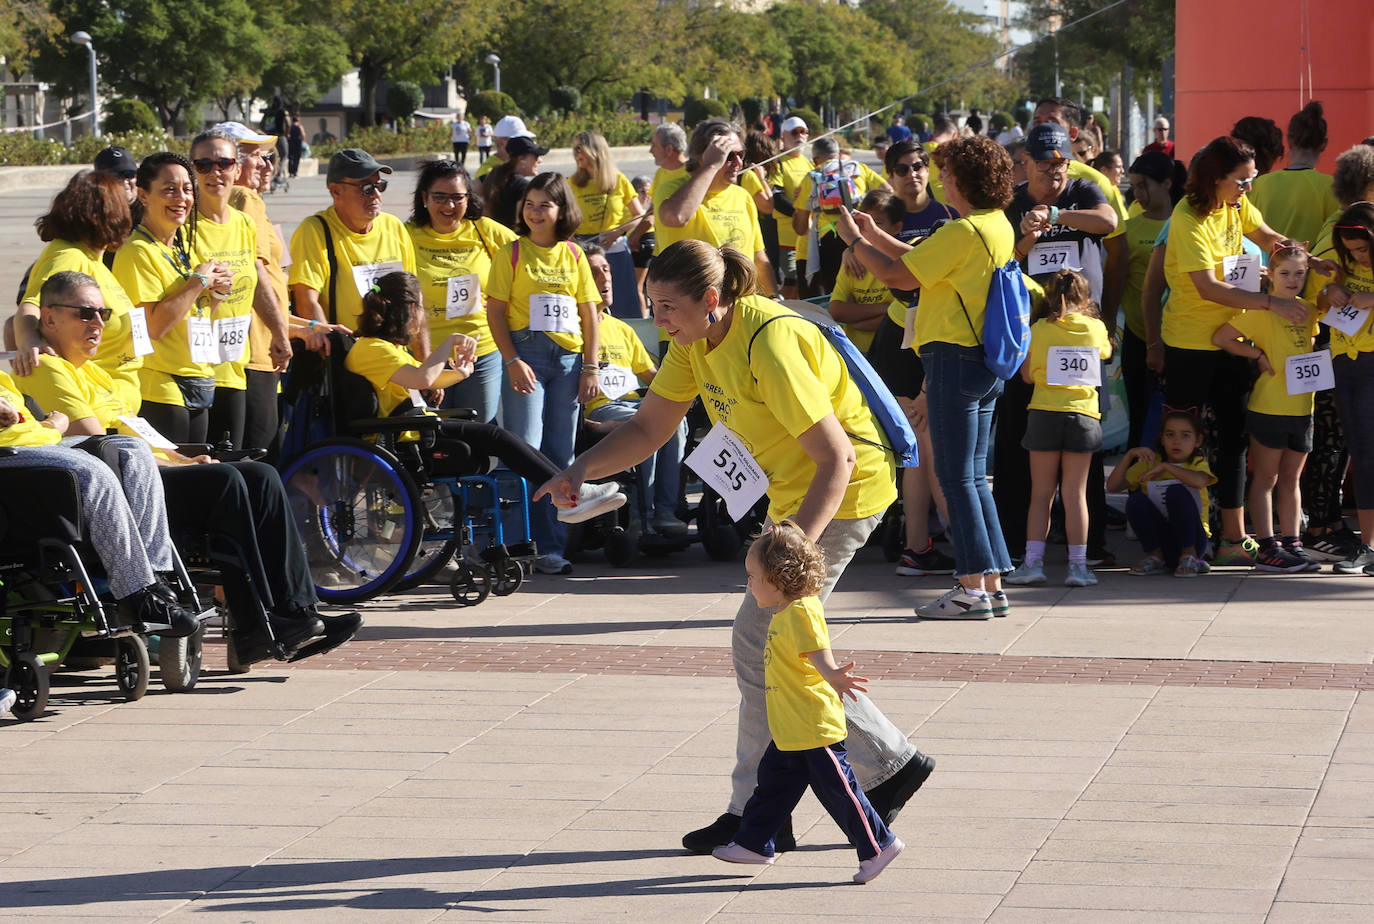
(236, 512)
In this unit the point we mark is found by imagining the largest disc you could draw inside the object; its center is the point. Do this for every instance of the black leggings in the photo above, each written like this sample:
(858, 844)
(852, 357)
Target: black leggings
(1215, 378)
(261, 416)
(177, 422)
(465, 442)
(1141, 384)
(227, 416)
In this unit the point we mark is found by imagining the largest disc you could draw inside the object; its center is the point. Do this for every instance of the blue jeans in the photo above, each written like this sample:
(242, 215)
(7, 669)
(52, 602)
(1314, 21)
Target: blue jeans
(662, 471)
(1167, 535)
(960, 396)
(546, 418)
(480, 391)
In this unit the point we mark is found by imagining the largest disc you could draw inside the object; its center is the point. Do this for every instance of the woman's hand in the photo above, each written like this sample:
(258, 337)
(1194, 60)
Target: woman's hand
(522, 377)
(1290, 309)
(562, 488)
(589, 386)
(1154, 357)
(57, 421)
(28, 346)
(713, 158)
(9, 416)
(853, 266)
(1336, 296)
(915, 410)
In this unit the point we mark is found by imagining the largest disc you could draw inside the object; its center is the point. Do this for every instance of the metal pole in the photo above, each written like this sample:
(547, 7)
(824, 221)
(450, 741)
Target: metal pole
(497, 67)
(95, 99)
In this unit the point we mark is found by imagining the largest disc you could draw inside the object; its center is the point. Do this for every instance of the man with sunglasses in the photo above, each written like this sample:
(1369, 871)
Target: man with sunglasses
(241, 501)
(337, 254)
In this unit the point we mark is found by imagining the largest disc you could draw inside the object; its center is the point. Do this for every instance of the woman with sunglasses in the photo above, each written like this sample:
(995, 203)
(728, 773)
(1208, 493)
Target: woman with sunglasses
(1210, 278)
(161, 270)
(87, 218)
(227, 236)
(454, 247)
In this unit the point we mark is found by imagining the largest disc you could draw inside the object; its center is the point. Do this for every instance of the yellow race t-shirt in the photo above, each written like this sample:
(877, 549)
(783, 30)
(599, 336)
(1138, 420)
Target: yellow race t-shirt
(117, 354)
(1294, 202)
(866, 291)
(602, 211)
(235, 242)
(452, 269)
(271, 248)
(1200, 243)
(663, 185)
(28, 432)
(1279, 340)
(560, 270)
(1081, 171)
(752, 183)
(952, 264)
(936, 186)
(362, 258)
(77, 391)
(487, 166)
(1072, 330)
(149, 272)
(1141, 233)
(726, 216)
(788, 172)
(772, 394)
(804, 711)
(619, 345)
(1357, 279)
(377, 360)
(1136, 473)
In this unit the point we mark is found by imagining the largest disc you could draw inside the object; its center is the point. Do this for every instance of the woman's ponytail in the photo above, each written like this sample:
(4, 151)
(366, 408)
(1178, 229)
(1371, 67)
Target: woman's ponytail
(738, 277)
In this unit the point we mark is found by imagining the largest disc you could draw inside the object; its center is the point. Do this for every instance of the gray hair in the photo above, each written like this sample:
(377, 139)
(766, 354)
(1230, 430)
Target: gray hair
(671, 135)
(824, 148)
(64, 285)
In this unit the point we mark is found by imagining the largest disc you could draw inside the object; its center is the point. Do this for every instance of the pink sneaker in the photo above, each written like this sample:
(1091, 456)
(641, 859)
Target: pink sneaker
(870, 868)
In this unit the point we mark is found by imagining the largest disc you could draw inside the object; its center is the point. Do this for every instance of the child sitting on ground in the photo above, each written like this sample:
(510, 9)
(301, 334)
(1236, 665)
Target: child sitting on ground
(1279, 413)
(802, 688)
(1170, 518)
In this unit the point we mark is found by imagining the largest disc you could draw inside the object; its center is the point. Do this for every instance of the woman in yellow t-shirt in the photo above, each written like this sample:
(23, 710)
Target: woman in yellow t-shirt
(952, 268)
(1209, 280)
(88, 219)
(541, 304)
(158, 269)
(608, 204)
(227, 236)
(784, 409)
(454, 246)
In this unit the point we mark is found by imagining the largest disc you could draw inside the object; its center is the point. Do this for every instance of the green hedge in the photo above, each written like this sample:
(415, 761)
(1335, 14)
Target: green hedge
(619, 128)
(22, 149)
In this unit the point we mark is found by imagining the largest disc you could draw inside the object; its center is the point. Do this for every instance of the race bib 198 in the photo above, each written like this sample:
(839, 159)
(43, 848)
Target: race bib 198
(367, 274)
(722, 462)
(1309, 372)
(553, 313)
(1242, 271)
(1069, 365)
(464, 293)
(200, 334)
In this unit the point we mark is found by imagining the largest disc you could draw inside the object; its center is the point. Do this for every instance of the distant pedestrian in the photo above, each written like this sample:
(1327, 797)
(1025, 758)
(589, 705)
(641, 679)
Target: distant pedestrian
(462, 133)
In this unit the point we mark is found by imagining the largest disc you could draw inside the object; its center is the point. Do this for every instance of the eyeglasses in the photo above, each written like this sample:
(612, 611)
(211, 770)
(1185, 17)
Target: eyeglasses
(207, 164)
(904, 169)
(88, 313)
(1245, 183)
(1051, 166)
(447, 199)
(736, 156)
(368, 189)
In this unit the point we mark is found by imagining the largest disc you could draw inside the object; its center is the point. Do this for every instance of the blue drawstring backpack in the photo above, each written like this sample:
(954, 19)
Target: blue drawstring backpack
(884, 407)
(1006, 320)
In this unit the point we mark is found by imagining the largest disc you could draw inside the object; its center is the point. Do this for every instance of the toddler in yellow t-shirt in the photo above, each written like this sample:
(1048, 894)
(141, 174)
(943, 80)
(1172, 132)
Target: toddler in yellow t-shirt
(1063, 423)
(1279, 421)
(802, 688)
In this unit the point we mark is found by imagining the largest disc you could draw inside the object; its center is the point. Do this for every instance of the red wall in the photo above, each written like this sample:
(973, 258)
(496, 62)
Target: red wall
(1238, 58)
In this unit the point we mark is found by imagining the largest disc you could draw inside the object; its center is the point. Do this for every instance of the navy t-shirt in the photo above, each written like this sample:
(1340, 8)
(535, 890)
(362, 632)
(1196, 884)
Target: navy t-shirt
(1062, 247)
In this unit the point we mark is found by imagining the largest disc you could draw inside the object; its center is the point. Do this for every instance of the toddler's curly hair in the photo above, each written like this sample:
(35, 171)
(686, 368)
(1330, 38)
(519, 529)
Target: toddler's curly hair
(791, 561)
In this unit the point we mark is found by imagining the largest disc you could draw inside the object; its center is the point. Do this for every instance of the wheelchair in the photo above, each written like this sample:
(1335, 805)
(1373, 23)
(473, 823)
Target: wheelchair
(380, 513)
(51, 612)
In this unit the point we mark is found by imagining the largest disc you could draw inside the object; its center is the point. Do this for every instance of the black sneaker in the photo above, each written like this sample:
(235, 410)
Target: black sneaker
(1359, 563)
(723, 830)
(154, 610)
(889, 796)
(1293, 546)
(1335, 545)
(919, 564)
(1275, 559)
(252, 644)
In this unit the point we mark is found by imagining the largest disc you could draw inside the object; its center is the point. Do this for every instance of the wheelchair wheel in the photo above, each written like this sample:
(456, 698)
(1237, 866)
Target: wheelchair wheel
(439, 541)
(470, 586)
(357, 512)
(509, 577)
(29, 681)
(132, 668)
(621, 545)
(719, 535)
(179, 661)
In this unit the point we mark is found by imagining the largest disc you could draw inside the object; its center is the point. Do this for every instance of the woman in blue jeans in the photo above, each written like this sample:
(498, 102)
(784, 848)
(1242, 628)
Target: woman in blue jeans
(952, 269)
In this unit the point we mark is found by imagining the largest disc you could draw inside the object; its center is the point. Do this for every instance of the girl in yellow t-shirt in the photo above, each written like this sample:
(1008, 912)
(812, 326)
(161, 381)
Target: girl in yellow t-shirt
(608, 203)
(226, 235)
(1171, 520)
(541, 304)
(1063, 423)
(805, 713)
(1279, 421)
(455, 244)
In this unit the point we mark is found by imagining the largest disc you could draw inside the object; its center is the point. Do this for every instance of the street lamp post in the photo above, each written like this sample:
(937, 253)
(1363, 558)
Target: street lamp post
(495, 61)
(84, 38)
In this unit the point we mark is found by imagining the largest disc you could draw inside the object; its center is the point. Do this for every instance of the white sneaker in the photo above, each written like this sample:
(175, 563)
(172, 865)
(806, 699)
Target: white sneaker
(1079, 576)
(734, 853)
(957, 604)
(870, 868)
(592, 501)
(552, 564)
(7, 700)
(1032, 572)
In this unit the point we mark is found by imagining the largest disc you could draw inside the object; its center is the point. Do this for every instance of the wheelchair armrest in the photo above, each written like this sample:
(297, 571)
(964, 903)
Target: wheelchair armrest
(457, 413)
(239, 455)
(195, 449)
(393, 424)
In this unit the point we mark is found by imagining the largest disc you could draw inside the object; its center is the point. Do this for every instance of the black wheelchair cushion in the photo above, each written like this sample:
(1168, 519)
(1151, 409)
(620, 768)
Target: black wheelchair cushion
(39, 502)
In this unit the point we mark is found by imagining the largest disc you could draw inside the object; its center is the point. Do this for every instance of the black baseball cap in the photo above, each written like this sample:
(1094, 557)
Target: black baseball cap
(1048, 141)
(116, 160)
(522, 145)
